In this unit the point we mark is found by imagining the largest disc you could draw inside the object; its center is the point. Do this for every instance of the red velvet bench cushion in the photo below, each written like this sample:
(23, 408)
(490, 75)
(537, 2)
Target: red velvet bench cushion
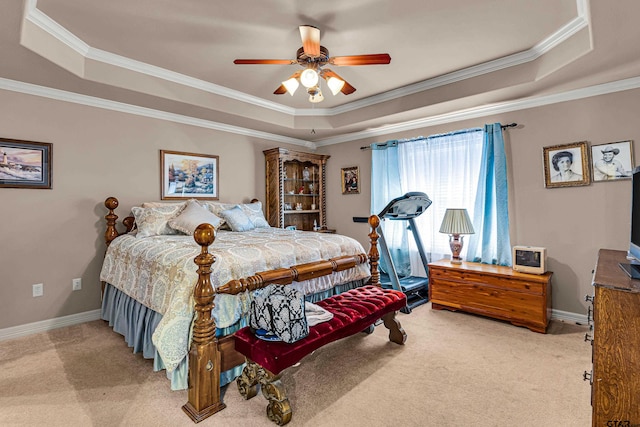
(353, 311)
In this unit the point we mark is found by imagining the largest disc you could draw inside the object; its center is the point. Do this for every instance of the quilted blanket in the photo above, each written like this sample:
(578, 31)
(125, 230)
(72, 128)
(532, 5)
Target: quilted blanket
(159, 272)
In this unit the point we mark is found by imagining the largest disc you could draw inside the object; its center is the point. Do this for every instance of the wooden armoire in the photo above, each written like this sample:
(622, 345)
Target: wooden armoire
(295, 189)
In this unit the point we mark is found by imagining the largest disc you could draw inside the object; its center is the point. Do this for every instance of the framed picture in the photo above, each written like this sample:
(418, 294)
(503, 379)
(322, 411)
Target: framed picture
(566, 165)
(612, 161)
(25, 164)
(350, 178)
(188, 176)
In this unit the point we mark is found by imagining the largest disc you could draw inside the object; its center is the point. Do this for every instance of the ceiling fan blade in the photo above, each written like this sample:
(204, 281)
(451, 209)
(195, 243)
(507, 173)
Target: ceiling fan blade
(265, 61)
(373, 59)
(282, 89)
(347, 89)
(310, 36)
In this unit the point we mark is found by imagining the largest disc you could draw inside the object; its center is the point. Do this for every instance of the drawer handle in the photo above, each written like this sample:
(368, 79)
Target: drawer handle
(586, 376)
(589, 298)
(588, 337)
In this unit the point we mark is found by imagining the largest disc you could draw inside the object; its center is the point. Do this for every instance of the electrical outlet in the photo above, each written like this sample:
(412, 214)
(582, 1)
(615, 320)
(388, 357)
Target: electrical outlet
(76, 284)
(38, 289)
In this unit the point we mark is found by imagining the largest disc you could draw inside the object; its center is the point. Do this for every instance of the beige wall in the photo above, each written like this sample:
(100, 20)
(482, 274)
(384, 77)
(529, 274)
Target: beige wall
(572, 223)
(53, 236)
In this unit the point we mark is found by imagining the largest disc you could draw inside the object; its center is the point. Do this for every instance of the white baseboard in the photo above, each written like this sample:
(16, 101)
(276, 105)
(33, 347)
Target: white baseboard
(88, 316)
(566, 316)
(47, 325)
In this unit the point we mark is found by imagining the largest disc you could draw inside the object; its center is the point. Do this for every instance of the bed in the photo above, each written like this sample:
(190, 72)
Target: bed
(172, 287)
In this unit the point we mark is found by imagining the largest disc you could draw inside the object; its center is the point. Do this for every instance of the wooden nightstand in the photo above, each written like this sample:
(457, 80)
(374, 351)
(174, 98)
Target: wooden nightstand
(494, 291)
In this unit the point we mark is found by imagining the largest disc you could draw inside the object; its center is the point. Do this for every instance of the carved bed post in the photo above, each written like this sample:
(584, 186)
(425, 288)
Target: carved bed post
(111, 203)
(204, 355)
(374, 255)
(111, 233)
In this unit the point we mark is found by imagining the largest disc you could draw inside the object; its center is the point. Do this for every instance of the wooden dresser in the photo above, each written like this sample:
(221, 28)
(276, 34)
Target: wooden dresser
(615, 379)
(495, 291)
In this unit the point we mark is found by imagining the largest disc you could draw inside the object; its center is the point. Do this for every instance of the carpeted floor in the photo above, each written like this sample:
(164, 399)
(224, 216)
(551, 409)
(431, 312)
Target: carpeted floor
(456, 369)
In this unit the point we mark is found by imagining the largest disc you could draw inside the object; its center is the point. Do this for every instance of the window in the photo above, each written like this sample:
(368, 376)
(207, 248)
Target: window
(446, 168)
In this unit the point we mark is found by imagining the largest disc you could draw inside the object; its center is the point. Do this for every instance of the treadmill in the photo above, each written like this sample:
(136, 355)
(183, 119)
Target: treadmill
(405, 208)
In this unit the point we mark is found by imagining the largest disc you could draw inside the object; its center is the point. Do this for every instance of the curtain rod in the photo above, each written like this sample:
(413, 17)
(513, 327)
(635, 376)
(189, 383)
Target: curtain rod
(396, 141)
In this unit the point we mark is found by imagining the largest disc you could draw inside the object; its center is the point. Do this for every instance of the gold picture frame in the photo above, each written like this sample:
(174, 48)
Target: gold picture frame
(350, 177)
(188, 176)
(566, 165)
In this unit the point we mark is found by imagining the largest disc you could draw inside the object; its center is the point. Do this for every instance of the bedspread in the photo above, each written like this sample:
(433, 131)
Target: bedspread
(159, 272)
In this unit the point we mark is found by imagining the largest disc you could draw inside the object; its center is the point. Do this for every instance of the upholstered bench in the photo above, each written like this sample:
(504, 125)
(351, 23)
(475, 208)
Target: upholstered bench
(353, 312)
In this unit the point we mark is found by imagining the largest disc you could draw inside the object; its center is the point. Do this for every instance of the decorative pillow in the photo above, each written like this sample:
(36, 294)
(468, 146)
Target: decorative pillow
(155, 221)
(237, 219)
(160, 204)
(216, 207)
(255, 214)
(192, 216)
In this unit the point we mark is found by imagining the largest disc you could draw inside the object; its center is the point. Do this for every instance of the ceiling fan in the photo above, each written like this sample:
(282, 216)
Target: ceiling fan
(313, 58)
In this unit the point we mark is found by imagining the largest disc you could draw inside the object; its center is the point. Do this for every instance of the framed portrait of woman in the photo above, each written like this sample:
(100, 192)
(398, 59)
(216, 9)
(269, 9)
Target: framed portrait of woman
(612, 161)
(566, 165)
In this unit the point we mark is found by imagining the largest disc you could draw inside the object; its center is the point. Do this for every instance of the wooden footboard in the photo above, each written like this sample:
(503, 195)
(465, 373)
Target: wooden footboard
(204, 390)
(208, 355)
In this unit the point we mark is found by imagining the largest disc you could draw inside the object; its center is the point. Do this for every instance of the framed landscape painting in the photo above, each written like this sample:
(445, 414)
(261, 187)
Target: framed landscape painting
(25, 164)
(566, 165)
(612, 161)
(188, 175)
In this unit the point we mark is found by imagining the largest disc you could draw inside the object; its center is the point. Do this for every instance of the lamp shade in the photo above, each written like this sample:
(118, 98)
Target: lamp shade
(309, 78)
(335, 85)
(456, 221)
(291, 85)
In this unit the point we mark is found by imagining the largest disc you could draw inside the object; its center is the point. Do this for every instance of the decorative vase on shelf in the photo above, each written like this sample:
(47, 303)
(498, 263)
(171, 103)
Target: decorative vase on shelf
(305, 174)
(313, 206)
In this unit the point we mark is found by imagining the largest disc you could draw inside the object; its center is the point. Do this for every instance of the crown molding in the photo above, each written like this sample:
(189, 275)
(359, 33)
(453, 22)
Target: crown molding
(91, 101)
(487, 110)
(40, 19)
(471, 113)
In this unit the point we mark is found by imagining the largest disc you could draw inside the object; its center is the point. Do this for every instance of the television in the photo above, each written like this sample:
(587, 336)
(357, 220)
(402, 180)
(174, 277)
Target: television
(632, 268)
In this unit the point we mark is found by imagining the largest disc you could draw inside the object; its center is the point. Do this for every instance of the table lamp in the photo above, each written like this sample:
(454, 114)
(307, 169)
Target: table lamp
(455, 223)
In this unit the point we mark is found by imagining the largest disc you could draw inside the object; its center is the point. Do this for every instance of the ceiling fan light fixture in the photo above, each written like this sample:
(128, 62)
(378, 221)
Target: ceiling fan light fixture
(291, 85)
(316, 96)
(335, 84)
(309, 78)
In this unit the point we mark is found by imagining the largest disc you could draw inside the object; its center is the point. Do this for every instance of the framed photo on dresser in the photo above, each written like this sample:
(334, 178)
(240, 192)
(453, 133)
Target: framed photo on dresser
(188, 175)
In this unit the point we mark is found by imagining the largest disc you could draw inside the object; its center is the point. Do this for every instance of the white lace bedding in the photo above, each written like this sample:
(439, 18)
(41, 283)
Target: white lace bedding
(159, 272)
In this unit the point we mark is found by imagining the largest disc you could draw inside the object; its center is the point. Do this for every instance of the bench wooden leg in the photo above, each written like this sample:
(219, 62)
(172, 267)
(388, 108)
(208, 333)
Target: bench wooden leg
(279, 408)
(248, 380)
(396, 333)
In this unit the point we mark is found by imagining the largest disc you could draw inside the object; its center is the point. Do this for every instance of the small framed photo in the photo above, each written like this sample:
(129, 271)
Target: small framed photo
(350, 180)
(566, 165)
(612, 161)
(25, 164)
(188, 176)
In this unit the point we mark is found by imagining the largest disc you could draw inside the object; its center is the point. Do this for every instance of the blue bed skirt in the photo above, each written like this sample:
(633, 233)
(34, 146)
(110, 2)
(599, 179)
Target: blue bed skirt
(136, 323)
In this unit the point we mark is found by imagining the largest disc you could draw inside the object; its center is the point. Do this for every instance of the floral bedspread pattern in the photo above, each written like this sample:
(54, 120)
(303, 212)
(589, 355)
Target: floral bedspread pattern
(159, 272)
